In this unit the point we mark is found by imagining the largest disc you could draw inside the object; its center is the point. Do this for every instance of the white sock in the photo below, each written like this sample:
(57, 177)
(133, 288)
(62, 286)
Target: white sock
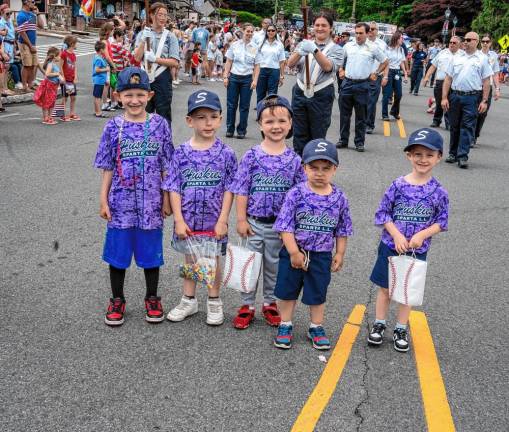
(313, 325)
(251, 307)
(286, 323)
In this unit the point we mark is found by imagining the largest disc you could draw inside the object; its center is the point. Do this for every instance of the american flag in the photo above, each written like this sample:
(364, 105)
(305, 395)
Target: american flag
(26, 26)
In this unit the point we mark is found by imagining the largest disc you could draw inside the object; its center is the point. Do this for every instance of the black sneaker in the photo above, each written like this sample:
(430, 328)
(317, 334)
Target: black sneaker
(360, 148)
(241, 136)
(369, 130)
(339, 144)
(376, 335)
(400, 338)
(386, 118)
(434, 125)
(462, 163)
(451, 159)
(229, 134)
(473, 144)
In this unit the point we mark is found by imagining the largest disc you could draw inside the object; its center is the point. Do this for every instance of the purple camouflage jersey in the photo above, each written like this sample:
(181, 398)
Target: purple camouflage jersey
(315, 220)
(413, 208)
(201, 177)
(266, 179)
(135, 197)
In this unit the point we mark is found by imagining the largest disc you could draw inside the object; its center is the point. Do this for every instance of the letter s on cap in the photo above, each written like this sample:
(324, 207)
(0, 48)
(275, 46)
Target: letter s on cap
(421, 135)
(200, 97)
(321, 147)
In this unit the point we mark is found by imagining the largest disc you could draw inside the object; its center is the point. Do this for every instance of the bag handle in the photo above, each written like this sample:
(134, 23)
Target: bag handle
(202, 233)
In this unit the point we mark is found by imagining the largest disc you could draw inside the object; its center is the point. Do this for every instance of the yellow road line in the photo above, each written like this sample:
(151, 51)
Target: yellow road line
(387, 128)
(402, 131)
(434, 396)
(319, 398)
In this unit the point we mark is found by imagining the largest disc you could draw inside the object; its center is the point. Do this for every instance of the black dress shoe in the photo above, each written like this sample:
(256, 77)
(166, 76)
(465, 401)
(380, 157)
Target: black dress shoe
(434, 125)
(339, 144)
(229, 134)
(451, 159)
(386, 118)
(241, 136)
(369, 130)
(462, 163)
(360, 149)
(397, 116)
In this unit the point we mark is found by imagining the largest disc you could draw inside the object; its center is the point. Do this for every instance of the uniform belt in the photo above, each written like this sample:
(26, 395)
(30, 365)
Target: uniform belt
(357, 80)
(9, 41)
(317, 87)
(264, 219)
(467, 93)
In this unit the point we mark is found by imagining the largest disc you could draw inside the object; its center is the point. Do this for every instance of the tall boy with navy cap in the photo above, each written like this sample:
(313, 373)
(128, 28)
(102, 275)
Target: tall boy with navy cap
(134, 154)
(199, 183)
(314, 220)
(413, 209)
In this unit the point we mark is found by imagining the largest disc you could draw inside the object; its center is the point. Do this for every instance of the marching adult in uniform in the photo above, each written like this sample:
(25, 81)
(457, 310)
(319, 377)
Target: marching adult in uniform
(468, 78)
(392, 77)
(312, 107)
(374, 85)
(162, 56)
(493, 61)
(439, 66)
(357, 70)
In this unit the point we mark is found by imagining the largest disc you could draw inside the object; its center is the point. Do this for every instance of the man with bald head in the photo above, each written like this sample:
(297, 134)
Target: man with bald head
(440, 64)
(468, 79)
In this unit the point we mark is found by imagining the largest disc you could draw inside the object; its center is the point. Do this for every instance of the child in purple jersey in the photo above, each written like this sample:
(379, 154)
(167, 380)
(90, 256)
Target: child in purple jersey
(412, 210)
(266, 173)
(314, 219)
(199, 182)
(134, 154)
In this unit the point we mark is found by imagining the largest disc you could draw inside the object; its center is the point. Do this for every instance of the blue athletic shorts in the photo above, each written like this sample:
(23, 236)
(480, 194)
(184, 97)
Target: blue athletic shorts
(313, 282)
(98, 91)
(146, 245)
(380, 274)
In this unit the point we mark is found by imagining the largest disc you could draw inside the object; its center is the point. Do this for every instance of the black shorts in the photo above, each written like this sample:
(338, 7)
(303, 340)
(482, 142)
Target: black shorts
(98, 91)
(66, 89)
(194, 71)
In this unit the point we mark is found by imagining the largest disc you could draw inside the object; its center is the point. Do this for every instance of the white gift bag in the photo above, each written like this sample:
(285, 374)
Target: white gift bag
(407, 278)
(241, 268)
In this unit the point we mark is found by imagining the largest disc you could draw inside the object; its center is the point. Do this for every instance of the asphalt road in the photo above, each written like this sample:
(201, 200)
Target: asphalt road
(62, 369)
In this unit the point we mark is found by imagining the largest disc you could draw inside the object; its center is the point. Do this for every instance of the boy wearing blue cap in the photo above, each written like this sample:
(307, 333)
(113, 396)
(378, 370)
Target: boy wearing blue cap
(134, 154)
(314, 219)
(414, 208)
(266, 173)
(199, 183)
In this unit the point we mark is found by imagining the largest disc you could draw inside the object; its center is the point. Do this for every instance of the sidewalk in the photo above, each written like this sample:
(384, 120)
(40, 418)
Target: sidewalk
(17, 98)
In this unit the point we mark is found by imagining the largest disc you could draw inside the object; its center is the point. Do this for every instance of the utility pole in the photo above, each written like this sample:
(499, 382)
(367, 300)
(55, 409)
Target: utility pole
(354, 7)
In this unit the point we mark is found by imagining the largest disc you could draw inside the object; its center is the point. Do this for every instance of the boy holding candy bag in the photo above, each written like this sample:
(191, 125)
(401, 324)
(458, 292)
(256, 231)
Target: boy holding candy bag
(314, 219)
(413, 209)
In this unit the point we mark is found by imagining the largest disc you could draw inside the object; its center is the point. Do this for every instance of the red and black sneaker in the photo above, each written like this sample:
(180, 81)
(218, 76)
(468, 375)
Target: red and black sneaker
(154, 310)
(115, 313)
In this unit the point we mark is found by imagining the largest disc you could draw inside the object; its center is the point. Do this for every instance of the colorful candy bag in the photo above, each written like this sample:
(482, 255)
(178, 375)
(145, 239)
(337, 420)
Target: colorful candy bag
(202, 250)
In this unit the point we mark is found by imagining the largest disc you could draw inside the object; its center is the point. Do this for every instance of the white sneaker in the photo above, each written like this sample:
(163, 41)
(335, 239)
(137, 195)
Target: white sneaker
(173, 85)
(185, 308)
(175, 82)
(215, 314)
(19, 86)
(105, 107)
(178, 81)
(212, 80)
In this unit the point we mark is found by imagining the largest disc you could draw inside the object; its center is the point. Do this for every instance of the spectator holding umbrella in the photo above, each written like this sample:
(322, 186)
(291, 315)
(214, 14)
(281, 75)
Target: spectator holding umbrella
(269, 71)
(238, 79)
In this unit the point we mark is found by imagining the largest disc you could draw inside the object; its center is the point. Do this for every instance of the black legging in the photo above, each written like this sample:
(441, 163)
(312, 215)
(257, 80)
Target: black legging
(117, 278)
(163, 93)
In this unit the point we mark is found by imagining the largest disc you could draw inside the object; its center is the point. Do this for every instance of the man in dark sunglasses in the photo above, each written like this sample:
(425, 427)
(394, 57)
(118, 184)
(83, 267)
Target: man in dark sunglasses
(468, 78)
(493, 61)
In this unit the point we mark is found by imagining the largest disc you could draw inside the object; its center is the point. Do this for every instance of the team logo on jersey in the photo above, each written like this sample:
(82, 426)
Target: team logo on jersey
(317, 223)
(406, 213)
(270, 183)
(130, 148)
(200, 178)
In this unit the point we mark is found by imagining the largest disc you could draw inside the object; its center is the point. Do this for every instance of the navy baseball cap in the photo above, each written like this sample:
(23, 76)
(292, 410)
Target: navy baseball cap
(426, 137)
(133, 78)
(272, 100)
(203, 99)
(320, 149)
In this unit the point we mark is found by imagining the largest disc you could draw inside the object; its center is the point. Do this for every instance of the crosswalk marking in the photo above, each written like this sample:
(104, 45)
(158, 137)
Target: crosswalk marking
(401, 127)
(82, 49)
(387, 128)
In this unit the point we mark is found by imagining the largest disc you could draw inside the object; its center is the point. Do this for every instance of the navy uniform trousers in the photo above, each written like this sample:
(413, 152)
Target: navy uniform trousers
(463, 112)
(354, 96)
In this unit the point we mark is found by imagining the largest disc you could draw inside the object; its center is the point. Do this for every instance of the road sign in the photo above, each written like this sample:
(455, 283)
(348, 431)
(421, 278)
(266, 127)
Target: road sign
(504, 42)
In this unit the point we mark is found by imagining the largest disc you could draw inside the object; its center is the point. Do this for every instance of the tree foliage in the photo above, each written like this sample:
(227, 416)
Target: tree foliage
(493, 19)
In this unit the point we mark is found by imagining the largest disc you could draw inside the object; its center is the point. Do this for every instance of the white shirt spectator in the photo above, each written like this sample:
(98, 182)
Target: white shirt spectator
(493, 61)
(211, 50)
(442, 61)
(242, 56)
(396, 56)
(469, 71)
(258, 37)
(360, 59)
(270, 54)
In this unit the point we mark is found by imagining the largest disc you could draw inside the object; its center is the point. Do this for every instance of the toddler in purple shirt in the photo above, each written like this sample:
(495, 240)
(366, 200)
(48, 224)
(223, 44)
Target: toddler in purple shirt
(134, 154)
(266, 173)
(314, 219)
(199, 182)
(414, 208)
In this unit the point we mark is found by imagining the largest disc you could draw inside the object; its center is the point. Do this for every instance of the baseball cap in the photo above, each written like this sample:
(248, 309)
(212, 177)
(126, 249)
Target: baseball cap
(203, 99)
(320, 149)
(426, 137)
(133, 78)
(272, 100)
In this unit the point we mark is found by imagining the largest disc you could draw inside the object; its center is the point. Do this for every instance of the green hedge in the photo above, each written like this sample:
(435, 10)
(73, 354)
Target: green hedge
(242, 17)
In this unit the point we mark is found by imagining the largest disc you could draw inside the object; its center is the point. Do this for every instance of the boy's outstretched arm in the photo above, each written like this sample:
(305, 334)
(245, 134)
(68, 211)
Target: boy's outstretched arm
(104, 208)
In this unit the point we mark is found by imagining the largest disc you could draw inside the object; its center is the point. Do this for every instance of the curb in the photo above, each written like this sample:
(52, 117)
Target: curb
(89, 40)
(19, 98)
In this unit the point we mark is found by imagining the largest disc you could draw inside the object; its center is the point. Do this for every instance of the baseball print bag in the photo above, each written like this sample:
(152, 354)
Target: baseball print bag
(407, 278)
(241, 268)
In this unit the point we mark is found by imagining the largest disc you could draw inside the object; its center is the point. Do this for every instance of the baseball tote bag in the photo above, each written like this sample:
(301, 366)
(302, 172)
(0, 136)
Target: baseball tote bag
(241, 268)
(407, 278)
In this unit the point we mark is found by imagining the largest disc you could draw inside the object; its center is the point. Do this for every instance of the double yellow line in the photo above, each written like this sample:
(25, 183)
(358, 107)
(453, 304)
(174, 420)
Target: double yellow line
(434, 397)
(401, 127)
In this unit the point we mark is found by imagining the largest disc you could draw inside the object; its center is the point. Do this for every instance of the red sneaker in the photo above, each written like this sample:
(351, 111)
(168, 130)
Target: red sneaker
(154, 310)
(115, 313)
(271, 315)
(243, 318)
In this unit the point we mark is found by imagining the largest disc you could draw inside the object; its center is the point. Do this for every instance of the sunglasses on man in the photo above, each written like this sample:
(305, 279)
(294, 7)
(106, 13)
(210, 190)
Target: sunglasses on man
(470, 39)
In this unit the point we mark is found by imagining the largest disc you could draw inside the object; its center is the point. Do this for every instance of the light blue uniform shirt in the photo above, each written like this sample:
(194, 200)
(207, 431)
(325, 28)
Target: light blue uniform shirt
(242, 56)
(360, 59)
(442, 61)
(270, 54)
(468, 71)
